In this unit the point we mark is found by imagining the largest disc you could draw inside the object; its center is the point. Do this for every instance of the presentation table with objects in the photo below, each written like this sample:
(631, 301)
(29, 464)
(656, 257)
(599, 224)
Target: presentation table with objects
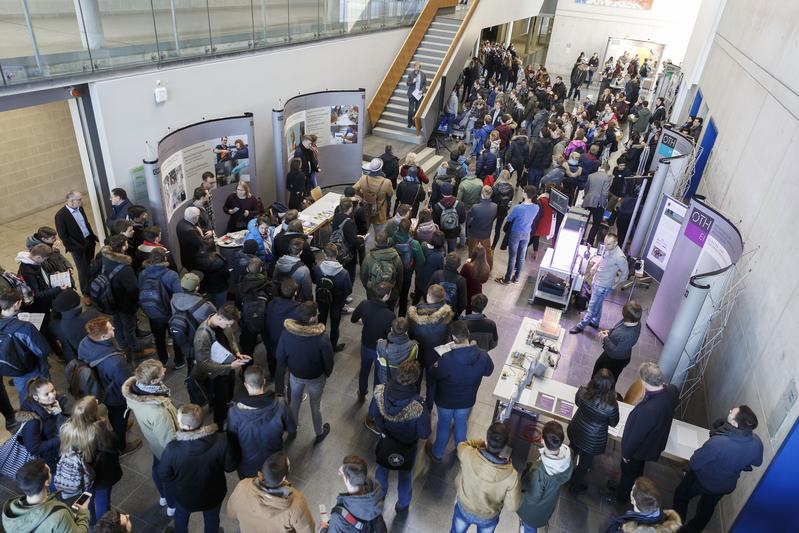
(555, 399)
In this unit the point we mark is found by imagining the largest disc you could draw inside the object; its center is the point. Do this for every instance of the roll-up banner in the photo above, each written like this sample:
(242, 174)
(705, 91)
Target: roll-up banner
(663, 237)
(336, 118)
(671, 145)
(222, 146)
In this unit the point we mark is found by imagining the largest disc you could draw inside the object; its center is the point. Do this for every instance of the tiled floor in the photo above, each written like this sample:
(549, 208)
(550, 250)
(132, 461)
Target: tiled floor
(314, 467)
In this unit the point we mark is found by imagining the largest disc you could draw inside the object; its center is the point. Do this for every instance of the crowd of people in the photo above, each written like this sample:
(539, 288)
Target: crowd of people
(425, 337)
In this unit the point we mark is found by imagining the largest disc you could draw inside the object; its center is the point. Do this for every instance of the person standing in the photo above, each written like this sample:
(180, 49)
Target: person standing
(449, 214)
(195, 463)
(282, 306)
(646, 514)
(297, 184)
(42, 411)
(540, 157)
(375, 192)
(596, 199)
(486, 484)
(333, 287)
(520, 219)
(383, 265)
(30, 348)
(475, 272)
(242, 206)
(457, 373)
(455, 289)
(646, 429)
(417, 81)
(542, 479)
(609, 273)
(433, 261)
(714, 469)
(269, 502)
(482, 330)
(310, 165)
(479, 221)
(597, 410)
(377, 317)
(413, 258)
(360, 508)
(190, 237)
(196, 309)
(310, 364)
(618, 342)
(429, 326)
(76, 233)
(157, 284)
(352, 241)
(501, 195)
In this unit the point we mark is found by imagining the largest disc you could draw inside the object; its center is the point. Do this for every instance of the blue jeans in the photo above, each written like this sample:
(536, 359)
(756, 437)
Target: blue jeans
(210, 517)
(461, 520)
(524, 528)
(99, 504)
(163, 487)
(534, 176)
(125, 326)
(517, 251)
(368, 357)
(21, 382)
(312, 180)
(594, 312)
(404, 484)
(451, 117)
(445, 418)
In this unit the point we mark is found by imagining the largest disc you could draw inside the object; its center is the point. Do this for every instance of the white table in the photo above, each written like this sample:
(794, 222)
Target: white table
(574, 278)
(320, 212)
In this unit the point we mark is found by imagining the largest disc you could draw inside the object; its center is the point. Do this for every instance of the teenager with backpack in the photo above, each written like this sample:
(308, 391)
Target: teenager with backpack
(429, 326)
(109, 366)
(383, 265)
(377, 316)
(347, 236)
(291, 266)
(401, 420)
(455, 289)
(157, 284)
(282, 306)
(70, 328)
(360, 509)
(253, 289)
(88, 445)
(23, 350)
(42, 411)
(449, 214)
(410, 192)
(189, 310)
(333, 286)
(215, 271)
(502, 195)
(433, 251)
(410, 252)
(394, 350)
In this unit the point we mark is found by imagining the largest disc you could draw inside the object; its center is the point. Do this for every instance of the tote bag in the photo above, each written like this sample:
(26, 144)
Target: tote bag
(13, 455)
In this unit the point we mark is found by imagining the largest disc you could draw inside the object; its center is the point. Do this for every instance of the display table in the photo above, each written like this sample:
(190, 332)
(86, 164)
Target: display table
(555, 399)
(319, 213)
(572, 273)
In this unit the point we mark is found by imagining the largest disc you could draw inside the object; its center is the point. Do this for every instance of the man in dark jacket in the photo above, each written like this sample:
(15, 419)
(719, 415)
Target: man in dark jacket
(502, 195)
(195, 463)
(482, 330)
(99, 351)
(240, 260)
(252, 289)
(70, 329)
(516, 155)
(190, 237)
(137, 214)
(29, 342)
(412, 256)
(618, 342)
(157, 284)
(31, 271)
(647, 428)
(390, 165)
(486, 164)
(359, 216)
(283, 244)
(646, 514)
(458, 373)
(116, 264)
(714, 469)
(256, 422)
(282, 306)
(333, 287)
(76, 233)
(433, 261)
(119, 206)
(540, 157)
(559, 88)
(310, 364)
(353, 239)
(430, 325)
(399, 413)
(151, 243)
(453, 283)
(377, 317)
(189, 300)
(479, 222)
(442, 211)
(362, 504)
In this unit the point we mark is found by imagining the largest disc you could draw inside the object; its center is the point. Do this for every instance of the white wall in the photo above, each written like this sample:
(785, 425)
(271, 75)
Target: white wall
(751, 175)
(127, 114)
(586, 28)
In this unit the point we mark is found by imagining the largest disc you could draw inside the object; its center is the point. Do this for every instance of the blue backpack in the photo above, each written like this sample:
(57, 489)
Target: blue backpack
(450, 293)
(406, 254)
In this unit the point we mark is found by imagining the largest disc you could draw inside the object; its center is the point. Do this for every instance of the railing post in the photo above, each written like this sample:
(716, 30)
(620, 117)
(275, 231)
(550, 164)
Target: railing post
(175, 25)
(90, 23)
(32, 34)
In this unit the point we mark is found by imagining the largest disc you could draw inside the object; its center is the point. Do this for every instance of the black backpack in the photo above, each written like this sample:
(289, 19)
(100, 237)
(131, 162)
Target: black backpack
(153, 296)
(375, 525)
(253, 311)
(326, 291)
(100, 291)
(83, 380)
(277, 279)
(15, 360)
(183, 326)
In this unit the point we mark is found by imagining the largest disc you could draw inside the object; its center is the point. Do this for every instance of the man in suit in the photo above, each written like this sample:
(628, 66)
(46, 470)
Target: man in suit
(416, 82)
(76, 233)
(190, 237)
(596, 198)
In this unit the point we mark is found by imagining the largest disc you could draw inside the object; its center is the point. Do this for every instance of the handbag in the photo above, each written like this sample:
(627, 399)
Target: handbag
(13, 455)
(394, 454)
(197, 392)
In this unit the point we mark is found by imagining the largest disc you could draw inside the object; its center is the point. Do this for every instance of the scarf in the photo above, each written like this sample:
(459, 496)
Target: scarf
(155, 389)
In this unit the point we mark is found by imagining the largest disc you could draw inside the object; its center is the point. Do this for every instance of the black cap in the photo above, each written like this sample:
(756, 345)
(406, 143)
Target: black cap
(349, 192)
(250, 247)
(67, 300)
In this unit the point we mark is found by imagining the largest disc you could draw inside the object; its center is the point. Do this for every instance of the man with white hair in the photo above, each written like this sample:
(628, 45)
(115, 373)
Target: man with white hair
(190, 237)
(76, 233)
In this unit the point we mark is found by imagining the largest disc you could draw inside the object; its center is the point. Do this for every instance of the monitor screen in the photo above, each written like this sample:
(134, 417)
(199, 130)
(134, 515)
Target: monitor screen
(558, 201)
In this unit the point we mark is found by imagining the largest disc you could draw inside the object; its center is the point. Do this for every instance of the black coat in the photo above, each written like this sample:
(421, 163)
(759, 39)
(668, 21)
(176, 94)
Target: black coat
(69, 231)
(350, 230)
(648, 425)
(429, 326)
(540, 157)
(281, 248)
(305, 350)
(516, 155)
(43, 294)
(411, 193)
(196, 462)
(190, 242)
(40, 432)
(215, 272)
(71, 329)
(296, 185)
(124, 285)
(277, 311)
(390, 167)
(433, 261)
(588, 430)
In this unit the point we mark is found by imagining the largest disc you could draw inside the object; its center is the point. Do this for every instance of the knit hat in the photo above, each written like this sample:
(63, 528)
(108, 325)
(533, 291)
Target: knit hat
(250, 247)
(189, 282)
(66, 300)
(446, 189)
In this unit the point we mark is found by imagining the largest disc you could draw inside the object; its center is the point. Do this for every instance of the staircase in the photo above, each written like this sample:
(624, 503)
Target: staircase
(429, 161)
(393, 121)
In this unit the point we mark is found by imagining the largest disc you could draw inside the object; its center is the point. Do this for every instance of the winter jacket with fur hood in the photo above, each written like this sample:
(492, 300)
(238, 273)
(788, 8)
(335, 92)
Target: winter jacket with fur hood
(399, 411)
(124, 285)
(155, 413)
(429, 325)
(665, 521)
(305, 350)
(392, 352)
(258, 508)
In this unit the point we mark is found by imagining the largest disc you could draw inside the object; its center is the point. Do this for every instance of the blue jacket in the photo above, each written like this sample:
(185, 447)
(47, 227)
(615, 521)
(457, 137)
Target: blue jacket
(71, 329)
(720, 461)
(400, 411)
(169, 280)
(118, 212)
(458, 374)
(521, 217)
(40, 432)
(486, 164)
(254, 234)
(480, 138)
(433, 261)
(29, 338)
(255, 426)
(310, 350)
(277, 311)
(113, 371)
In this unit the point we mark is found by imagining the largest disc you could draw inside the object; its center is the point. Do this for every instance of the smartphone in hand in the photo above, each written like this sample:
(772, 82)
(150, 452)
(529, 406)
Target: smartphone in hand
(82, 501)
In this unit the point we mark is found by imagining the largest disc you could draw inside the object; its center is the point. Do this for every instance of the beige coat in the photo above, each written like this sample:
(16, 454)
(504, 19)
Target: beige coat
(156, 415)
(258, 509)
(382, 188)
(485, 488)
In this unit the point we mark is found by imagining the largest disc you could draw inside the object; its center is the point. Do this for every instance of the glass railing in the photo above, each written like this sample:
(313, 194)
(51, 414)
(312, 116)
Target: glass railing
(46, 39)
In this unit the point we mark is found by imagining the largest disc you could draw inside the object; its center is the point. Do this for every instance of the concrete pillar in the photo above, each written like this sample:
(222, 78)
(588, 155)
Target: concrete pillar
(90, 23)
(508, 33)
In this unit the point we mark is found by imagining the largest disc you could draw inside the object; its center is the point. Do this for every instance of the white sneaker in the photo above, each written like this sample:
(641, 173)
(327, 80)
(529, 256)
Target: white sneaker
(349, 299)
(170, 511)
(346, 310)
(162, 502)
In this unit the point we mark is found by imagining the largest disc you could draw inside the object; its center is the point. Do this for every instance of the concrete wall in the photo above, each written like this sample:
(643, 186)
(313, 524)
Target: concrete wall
(586, 28)
(127, 114)
(41, 161)
(751, 175)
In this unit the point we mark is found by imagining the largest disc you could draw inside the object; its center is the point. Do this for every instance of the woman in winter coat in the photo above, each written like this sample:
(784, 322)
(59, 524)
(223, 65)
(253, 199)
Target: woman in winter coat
(261, 231)
(475, 271)
(543, 226)
(296, 184)
(91, 437)
(215, 274)
(42, 413)
(597, 410)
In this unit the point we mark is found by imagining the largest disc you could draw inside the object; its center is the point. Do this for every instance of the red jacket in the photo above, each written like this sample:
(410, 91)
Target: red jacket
(544, 225)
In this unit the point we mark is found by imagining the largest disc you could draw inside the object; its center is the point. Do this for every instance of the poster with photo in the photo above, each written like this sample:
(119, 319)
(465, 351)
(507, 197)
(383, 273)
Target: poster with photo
(344, 124)
(173, 183)
(317, 122)
(231, 155)
(295, 129)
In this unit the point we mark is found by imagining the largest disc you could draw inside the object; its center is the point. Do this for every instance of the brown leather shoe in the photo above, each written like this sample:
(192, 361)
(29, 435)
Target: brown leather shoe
(131, 447)
(144, 353)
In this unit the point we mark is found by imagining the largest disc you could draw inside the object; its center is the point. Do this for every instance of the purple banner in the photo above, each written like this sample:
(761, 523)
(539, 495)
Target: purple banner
(698, 227)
